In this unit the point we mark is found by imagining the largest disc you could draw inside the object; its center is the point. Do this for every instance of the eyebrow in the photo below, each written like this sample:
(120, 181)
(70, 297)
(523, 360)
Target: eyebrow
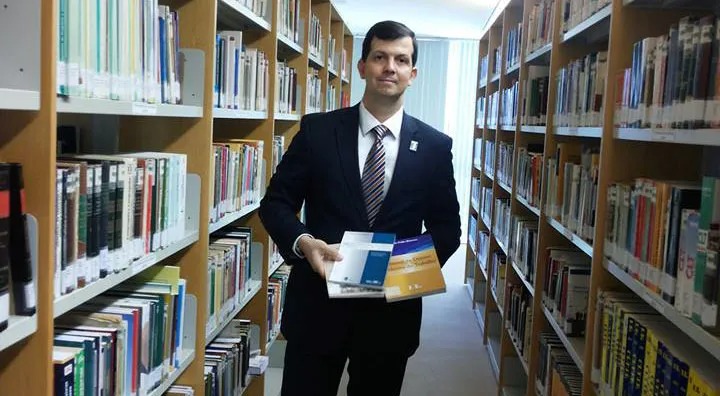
(397, 55)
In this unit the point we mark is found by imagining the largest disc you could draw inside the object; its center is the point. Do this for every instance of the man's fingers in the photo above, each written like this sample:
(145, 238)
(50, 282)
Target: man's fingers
(332, 254)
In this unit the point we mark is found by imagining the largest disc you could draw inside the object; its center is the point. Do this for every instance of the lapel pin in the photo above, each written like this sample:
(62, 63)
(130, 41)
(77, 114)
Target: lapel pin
(413, 145)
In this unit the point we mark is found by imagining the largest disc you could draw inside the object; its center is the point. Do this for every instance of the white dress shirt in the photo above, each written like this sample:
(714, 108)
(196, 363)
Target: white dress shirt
(391, 141)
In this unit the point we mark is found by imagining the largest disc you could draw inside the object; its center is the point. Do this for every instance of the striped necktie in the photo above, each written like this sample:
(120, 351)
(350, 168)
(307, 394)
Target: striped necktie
(373, 177)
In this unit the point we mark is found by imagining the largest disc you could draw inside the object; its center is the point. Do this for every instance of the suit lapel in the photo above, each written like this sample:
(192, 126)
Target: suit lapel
(405, 163)
(347, 144)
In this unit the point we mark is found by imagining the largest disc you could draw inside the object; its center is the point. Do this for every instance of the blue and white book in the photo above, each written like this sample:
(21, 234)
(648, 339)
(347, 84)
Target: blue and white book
(365, 259)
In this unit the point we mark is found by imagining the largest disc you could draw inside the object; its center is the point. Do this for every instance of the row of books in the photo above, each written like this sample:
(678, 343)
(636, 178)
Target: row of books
(16, 272)
(477, 153)
(664, 234)
(290, 23)
(258, 7)
(640, 352)
(540, 21)
(334, 57)
(576, 11)
(572, 186)
(229, 273)
(510, 98)
(529, 173)
(331, 98)
(483, 248)
(535, 96)
(126, 341)
(497, 276)
(495, 58)
(524, 245)
(480, 112)
(241, 75)
(674, 80)
(514, 37)
(314, 91)
(227, 365)
(486, 194)
(518, 318)
(180, 390)
(277, 283)
(580, 90)
(473, 233)
(344, 99)
(502, 222)
(483, 70)
(278, 149)
(130, 51)
(113, 209)
(315, 37)
(286, 89)
(566, 288)
(557, 374)
(489, 157)
(493, 103)
(505, 163)
(238, 176)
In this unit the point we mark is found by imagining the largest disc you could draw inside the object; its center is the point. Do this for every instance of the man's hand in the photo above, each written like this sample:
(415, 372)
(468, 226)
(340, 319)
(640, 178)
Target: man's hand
(318, 253)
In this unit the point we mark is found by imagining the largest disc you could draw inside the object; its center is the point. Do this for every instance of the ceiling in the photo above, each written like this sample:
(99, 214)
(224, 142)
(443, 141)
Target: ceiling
(427, 18)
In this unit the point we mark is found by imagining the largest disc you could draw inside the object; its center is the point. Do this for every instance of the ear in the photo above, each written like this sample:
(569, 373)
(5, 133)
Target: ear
(413, 75)
(361, 68)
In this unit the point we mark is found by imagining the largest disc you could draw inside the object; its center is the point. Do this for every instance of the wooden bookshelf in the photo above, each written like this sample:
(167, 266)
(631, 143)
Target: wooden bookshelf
(624, 154)
(31, 110)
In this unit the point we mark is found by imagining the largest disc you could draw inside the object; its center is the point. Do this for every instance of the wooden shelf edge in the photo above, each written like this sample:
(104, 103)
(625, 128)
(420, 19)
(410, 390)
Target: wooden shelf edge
(525, 282)
(117, 107)
(569, 345)
(19, 328)
(526, 204)
(585, 25)
(160, 390)
(67, 302)
(247, 14)
(255, 287)
(230, 218)
(219, 113)
(571, 236)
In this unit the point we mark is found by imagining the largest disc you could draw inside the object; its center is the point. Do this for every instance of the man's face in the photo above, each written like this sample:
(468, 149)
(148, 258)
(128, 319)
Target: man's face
(388, 70)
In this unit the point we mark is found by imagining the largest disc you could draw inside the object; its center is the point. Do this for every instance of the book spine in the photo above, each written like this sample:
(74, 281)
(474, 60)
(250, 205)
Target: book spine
(19, 249)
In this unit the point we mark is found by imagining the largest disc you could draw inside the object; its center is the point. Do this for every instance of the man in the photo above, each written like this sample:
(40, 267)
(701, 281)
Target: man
(370, 167)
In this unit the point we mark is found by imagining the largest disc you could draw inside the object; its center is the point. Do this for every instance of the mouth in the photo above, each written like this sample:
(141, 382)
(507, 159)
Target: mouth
(387, 81)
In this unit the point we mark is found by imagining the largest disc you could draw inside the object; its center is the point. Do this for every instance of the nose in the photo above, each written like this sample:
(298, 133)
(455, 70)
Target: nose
(390, 66)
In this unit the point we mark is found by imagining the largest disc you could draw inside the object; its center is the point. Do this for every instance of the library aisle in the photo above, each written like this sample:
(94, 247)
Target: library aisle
(451, 360)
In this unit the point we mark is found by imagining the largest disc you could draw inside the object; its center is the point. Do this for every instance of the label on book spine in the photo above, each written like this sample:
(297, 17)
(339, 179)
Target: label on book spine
(30, 298)
(667, 284)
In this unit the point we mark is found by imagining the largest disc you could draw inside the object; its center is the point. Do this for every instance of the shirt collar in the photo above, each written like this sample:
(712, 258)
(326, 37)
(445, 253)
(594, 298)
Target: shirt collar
(368, 121)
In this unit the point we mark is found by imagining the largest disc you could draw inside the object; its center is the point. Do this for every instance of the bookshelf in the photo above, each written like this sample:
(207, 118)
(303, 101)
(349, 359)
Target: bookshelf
(616, 154)
(31, 112)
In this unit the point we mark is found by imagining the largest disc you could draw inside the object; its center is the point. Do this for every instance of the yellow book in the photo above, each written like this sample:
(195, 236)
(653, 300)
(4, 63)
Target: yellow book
(414, 270)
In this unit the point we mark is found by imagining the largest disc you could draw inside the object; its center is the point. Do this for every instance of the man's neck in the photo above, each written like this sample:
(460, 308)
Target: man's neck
(382, 108)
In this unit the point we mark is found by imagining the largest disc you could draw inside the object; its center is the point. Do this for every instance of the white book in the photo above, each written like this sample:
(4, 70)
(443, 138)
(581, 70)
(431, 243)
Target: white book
(366, 256)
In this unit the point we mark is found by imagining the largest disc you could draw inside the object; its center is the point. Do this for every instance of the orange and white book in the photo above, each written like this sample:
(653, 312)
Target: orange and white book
(414, 270)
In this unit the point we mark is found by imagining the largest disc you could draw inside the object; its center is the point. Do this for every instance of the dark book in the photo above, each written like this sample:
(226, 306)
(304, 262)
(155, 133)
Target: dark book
(683, 197)
(4, 240)
(64, 373)
(24, 295)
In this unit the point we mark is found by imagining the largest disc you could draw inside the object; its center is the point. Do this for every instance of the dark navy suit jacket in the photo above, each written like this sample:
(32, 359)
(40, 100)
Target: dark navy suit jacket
(321, 168)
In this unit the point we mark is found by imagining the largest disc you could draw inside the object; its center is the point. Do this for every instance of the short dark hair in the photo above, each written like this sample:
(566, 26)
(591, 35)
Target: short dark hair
(389, 30)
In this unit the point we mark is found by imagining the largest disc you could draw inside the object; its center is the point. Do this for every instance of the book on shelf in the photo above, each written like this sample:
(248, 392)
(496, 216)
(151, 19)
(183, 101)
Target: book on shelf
(227, 358)
(496, 58)
(557, 373)
(135, 205)
(239, 175)
(637, 351)
(519, 318)
(277, 284)
(505, 163)
(365, 259)
(493, 103)
(580, 89)
(524, 245)
(483, 70)
(540, 20)
(486, 204)
(535, 96)
(575, 12)
(529, 173)
(674, 79)
(129, 338)
(90, 63)
(477, 153)
(315, 36)
(513, 36)
(480, 112)
(241, 78)
(314, 95)
(510, 98)
(286, 88)
(289, 21)
(502, 221)
(498, 276)
(566, 288)
(489, 157)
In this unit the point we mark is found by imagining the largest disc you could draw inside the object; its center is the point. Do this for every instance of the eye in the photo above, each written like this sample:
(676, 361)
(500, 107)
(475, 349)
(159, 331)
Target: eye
(402, 60)
(378, 57)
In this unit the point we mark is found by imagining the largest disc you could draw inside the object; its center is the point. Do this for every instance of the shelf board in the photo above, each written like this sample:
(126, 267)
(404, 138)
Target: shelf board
(485, 221)
(483, 83)
(539, 129)
(495, 78)
(333, 72)
(483, 268)
(509, 128)
(289, 44)
(18, 99)
(238, 11)
(239, 114)
(498, 306)
(520, 275)
(540, 56)
(489, 176)
(513, 69)
(477, 167)
(274, 267)
(703, 137)
(491, 127)
(315, 60)
(696, 333)
(504, 186)
(69, 301)
(492, 346)
(230, 218)
(186, 361)
(479, 317)
(571, 236)
(287, 117)
(19, 328)
(524, 364)
(596, 26)
(345, 80)
(475, 205)
(574, 345)
(118, 107)
(255, 287)
(502, 246)
(589, 132)
(526, 204)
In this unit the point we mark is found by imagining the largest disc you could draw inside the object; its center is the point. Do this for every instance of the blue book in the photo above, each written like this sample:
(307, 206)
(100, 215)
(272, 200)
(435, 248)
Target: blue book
(366, 256)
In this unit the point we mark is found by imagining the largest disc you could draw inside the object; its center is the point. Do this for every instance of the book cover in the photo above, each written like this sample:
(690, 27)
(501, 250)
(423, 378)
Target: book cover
(414, 270)
(365, 259)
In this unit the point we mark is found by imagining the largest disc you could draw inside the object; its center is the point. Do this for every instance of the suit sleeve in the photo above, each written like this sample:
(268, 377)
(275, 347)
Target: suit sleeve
(443, 218)
(286, 192)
